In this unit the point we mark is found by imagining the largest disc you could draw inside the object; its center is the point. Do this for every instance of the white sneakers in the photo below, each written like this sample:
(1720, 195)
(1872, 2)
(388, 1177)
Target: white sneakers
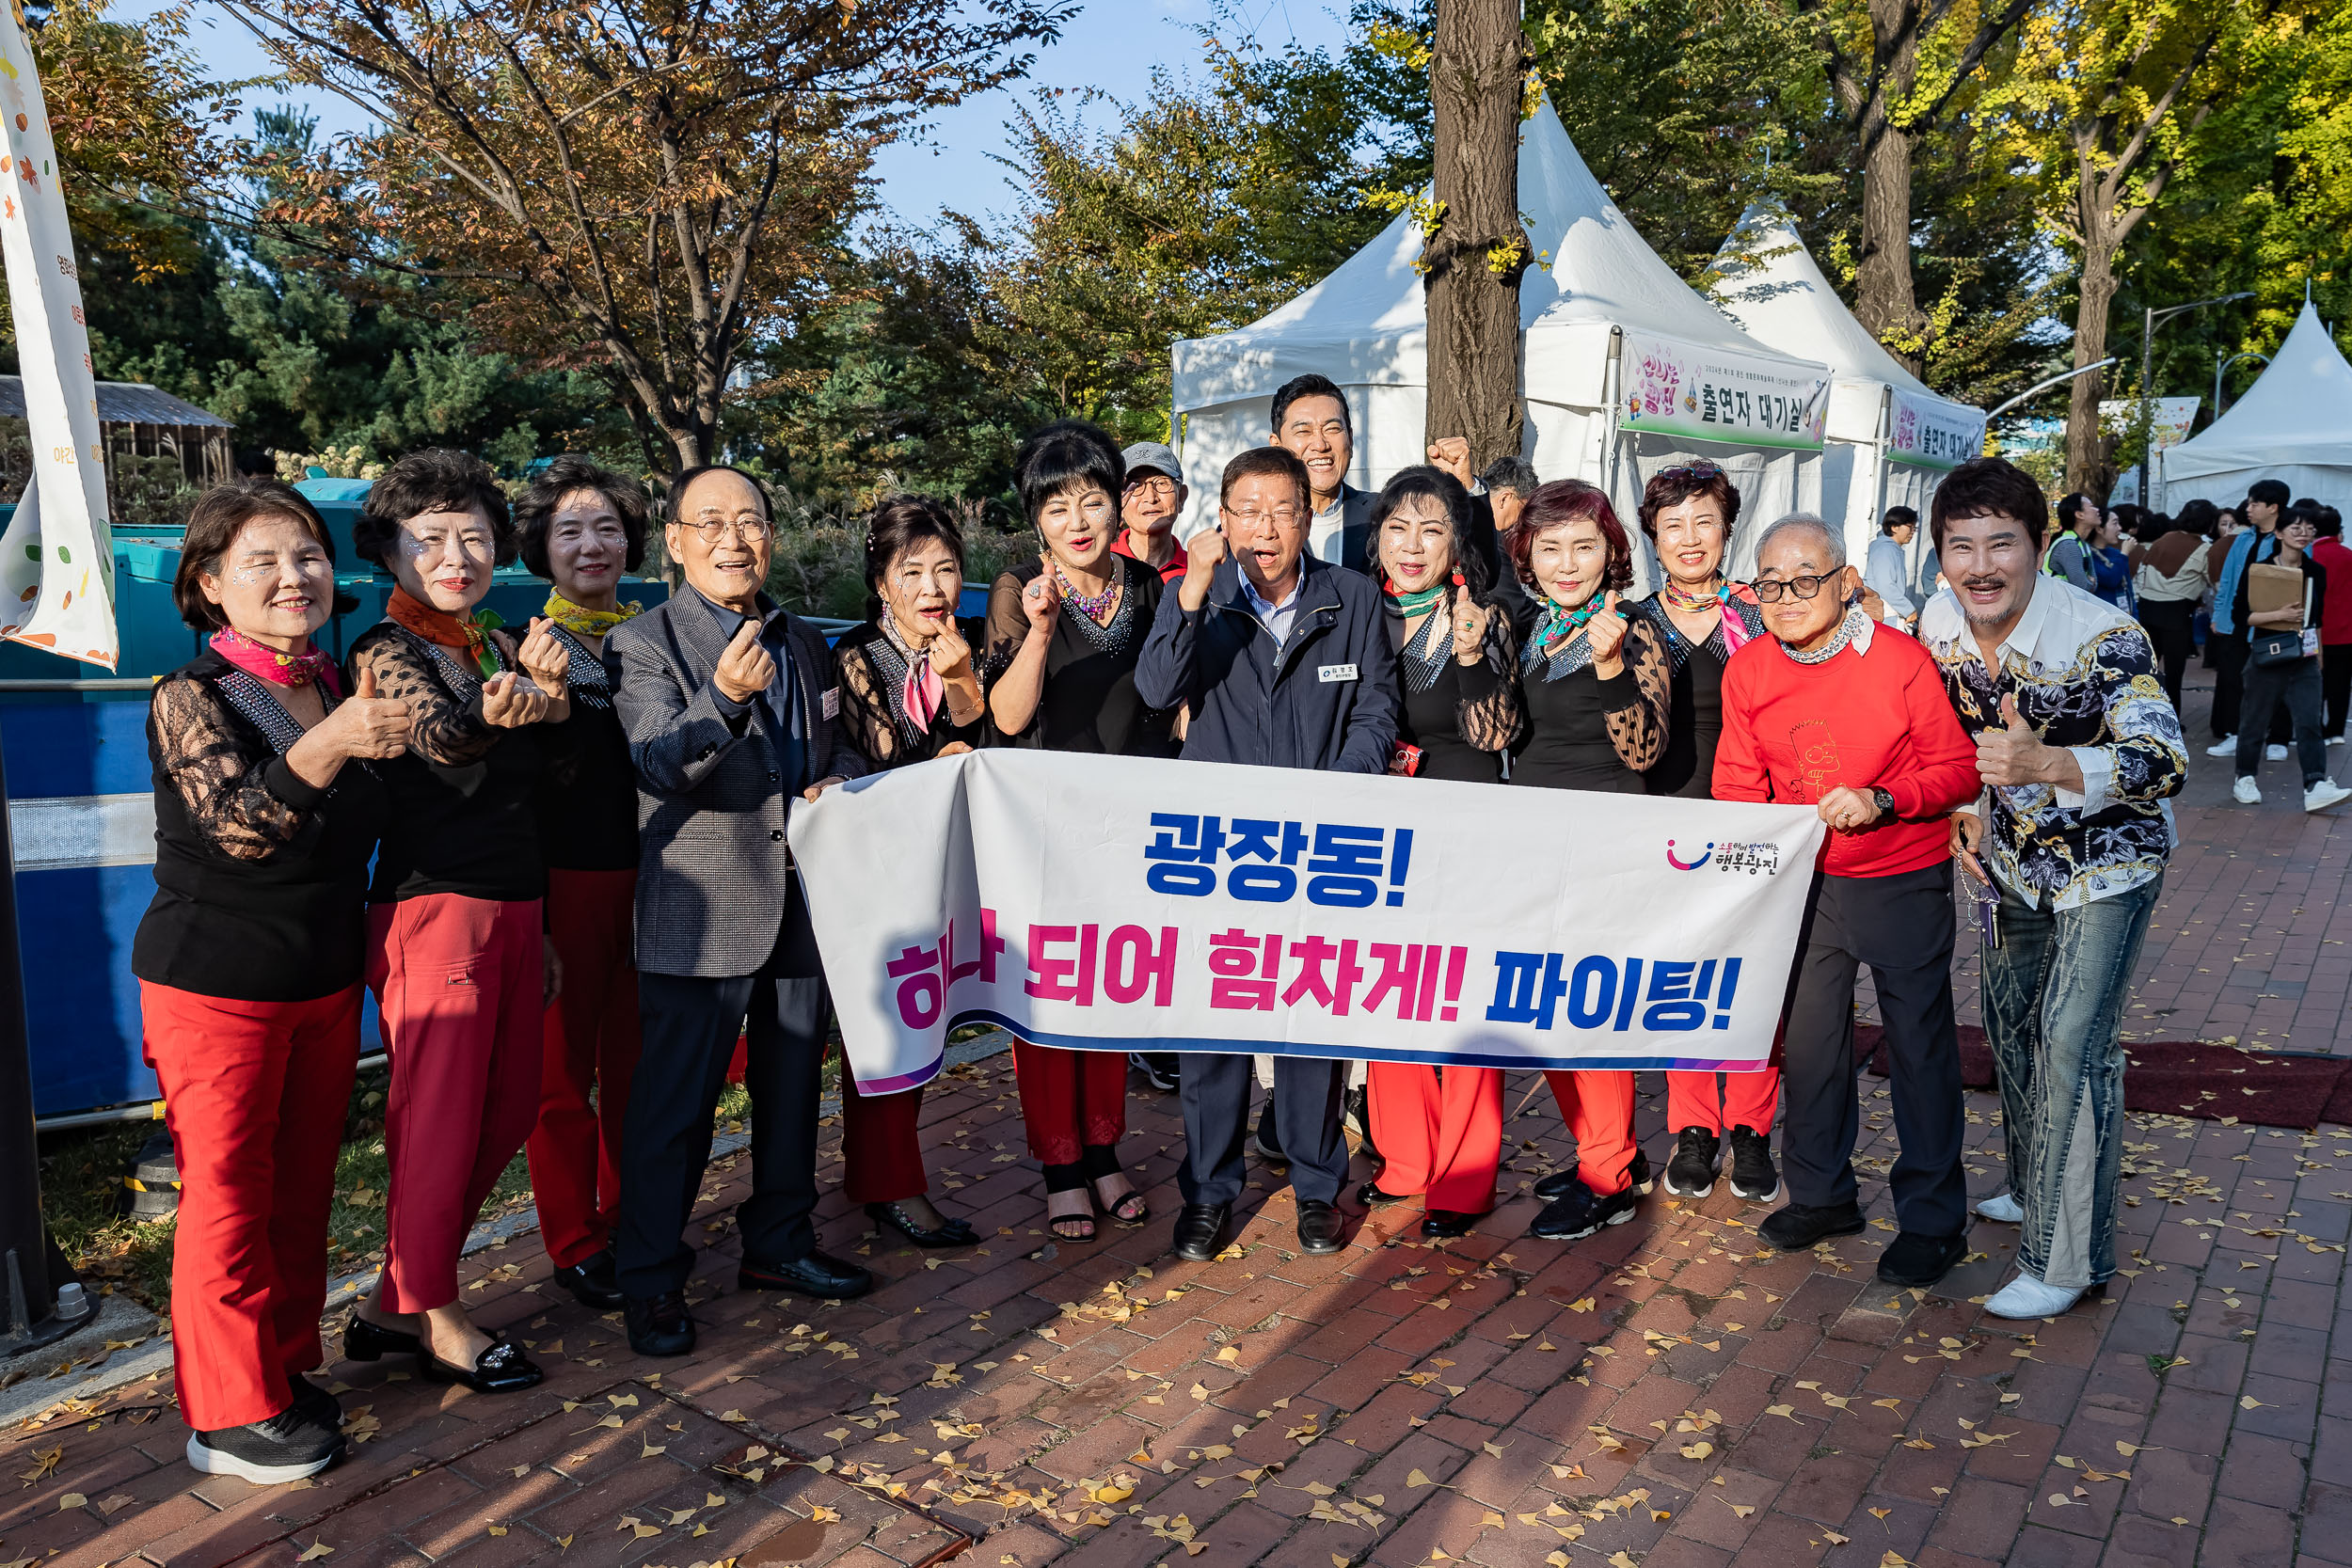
(2223, 747)
(2335, 740)
(2245, 794)
(2274, 751)
(2003, 1207)
(2028, 1297)
(2325, 793)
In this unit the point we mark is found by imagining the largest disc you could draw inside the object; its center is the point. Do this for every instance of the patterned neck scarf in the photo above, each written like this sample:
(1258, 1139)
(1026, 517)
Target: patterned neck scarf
(1851, 627)
(436, 626)
(582, 622)
(286, 670)
(923, 692)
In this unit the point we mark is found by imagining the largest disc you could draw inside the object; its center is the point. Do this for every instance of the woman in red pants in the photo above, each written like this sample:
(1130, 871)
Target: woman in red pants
(909, 693)
(248, 964)
(1063, 635)
(457, 956)
(581, 527)
(1702, 618)
(1439, 1130)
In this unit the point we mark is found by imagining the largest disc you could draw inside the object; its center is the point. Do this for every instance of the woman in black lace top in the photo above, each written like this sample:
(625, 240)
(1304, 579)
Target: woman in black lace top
(249, 962)
(1064, 632)
(909, 695)
(456, 951)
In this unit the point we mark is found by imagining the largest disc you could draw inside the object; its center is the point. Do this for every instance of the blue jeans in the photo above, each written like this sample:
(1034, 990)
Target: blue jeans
(2054, 994)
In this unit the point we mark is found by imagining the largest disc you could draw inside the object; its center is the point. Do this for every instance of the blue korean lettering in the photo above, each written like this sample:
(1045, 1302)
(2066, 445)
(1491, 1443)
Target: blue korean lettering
(1278, 846)
(1345, 870)
(1187, 847)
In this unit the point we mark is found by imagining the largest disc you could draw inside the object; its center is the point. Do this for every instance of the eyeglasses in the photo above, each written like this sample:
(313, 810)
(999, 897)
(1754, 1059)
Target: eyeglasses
(1771, 590)
(1156, 486)
(1282, 517)
(751, 531)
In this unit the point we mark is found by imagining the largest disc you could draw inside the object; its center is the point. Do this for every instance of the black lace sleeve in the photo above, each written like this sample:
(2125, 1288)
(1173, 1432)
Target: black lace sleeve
(1490, 711)
(240, 797)
(866, 716)
(445, 728)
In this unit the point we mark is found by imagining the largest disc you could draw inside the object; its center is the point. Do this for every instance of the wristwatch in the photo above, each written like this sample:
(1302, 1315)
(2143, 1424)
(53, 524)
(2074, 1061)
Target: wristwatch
(1881, 798)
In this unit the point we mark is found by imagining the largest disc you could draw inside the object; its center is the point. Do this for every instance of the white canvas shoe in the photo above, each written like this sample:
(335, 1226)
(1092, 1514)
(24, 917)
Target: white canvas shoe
(2222, 747)
(2325, 793)
(2003, 1207)
(2245, 794)
(2274, 751)
(2028, 1297)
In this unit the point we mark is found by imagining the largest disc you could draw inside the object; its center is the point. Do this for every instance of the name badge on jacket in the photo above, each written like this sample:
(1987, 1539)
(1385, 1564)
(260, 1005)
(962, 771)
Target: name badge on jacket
(831, 703)
(1327, 674)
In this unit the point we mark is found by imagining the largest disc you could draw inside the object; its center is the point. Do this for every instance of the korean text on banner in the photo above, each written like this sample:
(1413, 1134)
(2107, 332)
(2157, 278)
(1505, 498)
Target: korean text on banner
(1125, 904)
(1929, 433)
(56, 559)
(1678, 388)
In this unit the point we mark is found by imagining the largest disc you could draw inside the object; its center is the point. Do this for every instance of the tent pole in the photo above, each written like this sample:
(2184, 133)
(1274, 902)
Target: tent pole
(1610, 385)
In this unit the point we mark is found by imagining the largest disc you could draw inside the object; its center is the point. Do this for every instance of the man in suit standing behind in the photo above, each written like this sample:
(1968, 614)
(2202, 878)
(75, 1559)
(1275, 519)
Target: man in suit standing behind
(1312, 424)
(729, 712)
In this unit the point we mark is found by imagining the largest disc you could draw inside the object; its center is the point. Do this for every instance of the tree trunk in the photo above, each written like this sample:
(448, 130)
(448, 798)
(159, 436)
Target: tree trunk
(1883, 300)
(2086, 448)
(1473, 261)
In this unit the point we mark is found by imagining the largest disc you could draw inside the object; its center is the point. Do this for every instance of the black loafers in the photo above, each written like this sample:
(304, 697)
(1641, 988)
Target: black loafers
(1321, 1227)
(593, 1282)
(1920, 1260)
(367, 1342)
(503, 1369)
(1800, 1225)
(1201, 1231)
(659, 1325)
(815, 1274)
(950, 1231)
(1371, 1196)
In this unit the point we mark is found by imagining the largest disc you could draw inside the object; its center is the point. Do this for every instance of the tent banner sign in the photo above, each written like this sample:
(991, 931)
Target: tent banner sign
(1931, 433)
(1111, 903)
(1708, 395)
(2168, 418)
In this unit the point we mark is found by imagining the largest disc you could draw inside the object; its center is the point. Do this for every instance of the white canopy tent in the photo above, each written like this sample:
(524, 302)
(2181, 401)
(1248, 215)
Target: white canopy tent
(1606, 326)
(1890, 440)
(2295, 423)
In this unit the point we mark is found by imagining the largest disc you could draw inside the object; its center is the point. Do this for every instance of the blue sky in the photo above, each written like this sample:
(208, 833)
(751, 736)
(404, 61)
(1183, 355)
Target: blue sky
(1111, 43)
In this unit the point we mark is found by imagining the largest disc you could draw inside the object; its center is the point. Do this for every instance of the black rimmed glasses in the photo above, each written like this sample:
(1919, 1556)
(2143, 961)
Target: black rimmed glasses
(1771, 590)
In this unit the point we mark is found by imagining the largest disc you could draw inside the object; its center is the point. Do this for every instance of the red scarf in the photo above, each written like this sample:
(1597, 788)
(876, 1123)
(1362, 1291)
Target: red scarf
(436, 626)
(287, 669)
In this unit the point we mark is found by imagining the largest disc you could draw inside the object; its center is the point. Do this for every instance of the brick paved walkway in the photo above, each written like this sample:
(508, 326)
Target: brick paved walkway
(1666, 1394)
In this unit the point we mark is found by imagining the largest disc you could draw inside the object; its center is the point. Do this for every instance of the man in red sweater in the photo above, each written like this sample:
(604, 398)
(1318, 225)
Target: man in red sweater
(1852, 719)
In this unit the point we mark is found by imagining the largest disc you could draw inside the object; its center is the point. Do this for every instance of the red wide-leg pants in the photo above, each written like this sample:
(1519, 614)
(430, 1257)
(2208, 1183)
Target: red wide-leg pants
(591, 1037)
(255, 1095)
(1070, 1099)
(1598, 1105)
(1718, 1102)
(1441, 1131)
(460, 986)
(882, 1147)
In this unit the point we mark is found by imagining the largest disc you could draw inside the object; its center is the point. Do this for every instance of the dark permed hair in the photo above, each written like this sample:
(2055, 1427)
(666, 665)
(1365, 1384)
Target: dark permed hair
(1987, 486)
(1685, 482)
(434, 479)
(1066, 455)
(219, 514)
(1308, 386)
(1566, 500)
(568, 473)
(1427, 482)
(899, 524)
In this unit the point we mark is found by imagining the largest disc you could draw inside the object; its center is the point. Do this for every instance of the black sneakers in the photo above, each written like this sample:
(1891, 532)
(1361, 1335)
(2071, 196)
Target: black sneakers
(1692, 1171)
(1558, 1181)
(1920, 1260)
(289, 1446)
(1580, 1212)
(1800, 1225)
(1754, 1176)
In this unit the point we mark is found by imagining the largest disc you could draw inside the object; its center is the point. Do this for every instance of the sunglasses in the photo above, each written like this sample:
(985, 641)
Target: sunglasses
(1701, 470)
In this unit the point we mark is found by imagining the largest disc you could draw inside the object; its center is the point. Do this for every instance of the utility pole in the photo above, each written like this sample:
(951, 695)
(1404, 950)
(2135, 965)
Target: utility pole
(1475, 248)
(2151, 318)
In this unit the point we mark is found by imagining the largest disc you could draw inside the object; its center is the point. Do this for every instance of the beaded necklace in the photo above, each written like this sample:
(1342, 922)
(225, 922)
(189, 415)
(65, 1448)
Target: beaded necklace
(1094, 607)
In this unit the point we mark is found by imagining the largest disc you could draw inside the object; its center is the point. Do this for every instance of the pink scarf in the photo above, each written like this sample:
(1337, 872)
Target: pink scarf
(923, 692)
(287, 669)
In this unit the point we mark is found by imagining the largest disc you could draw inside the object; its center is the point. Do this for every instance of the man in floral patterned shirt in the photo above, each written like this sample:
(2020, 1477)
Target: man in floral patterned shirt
(2080, 751)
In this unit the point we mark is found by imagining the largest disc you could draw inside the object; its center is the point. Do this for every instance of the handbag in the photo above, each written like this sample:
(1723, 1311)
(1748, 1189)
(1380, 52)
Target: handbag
(2267, 650)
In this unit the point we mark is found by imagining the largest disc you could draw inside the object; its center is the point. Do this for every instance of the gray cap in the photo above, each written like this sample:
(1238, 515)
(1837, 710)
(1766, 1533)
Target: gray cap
(1155, 456)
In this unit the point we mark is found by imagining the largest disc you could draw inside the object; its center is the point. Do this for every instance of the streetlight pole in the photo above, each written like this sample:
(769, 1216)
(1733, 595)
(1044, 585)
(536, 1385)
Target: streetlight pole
(2220, 368)
(2151, 318)
(2041, 386)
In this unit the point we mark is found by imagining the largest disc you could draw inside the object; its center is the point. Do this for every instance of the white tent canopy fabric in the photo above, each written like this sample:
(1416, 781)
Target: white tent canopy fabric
(2295, 423)
(1890, 439)
(1754, 409)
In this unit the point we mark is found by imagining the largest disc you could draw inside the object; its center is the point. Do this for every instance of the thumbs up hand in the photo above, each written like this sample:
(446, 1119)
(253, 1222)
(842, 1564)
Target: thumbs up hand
(2014, 753)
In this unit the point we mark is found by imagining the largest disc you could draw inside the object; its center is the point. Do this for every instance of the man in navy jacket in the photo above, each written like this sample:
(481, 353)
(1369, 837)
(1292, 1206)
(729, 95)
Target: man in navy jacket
(1284, 661)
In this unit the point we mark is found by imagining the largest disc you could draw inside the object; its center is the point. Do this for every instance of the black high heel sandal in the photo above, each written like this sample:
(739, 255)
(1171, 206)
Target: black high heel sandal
(1069, 1179)
(370, 1341)
(503, 1369)
(1097, 1161)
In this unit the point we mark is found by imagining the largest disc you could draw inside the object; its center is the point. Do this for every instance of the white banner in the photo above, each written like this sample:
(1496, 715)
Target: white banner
(1678, 388)
(2168, 418)
(57, 559)
(1931, 433)
(1125, 904)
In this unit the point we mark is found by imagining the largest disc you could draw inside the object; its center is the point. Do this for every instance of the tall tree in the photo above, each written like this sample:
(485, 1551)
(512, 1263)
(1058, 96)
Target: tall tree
(623, 186)
(1474, 249)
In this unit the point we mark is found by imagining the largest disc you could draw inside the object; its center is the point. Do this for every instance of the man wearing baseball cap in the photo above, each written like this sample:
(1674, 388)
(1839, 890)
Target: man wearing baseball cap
(1153, 500)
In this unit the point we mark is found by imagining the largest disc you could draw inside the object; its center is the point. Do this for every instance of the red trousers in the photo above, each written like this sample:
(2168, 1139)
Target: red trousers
(1070, 1099)
(1744, 1100)
(1598, 1108)
(461, 990)
(1441, 1132)
(882, 1147)
(591, 1037)
(254, 1093)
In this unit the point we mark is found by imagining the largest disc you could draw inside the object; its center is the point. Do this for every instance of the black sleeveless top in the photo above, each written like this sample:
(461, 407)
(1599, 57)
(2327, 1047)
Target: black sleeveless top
(1694, 717)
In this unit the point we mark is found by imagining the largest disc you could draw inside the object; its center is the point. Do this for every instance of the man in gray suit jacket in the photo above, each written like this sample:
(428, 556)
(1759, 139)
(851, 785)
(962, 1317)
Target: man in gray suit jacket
(730, 709)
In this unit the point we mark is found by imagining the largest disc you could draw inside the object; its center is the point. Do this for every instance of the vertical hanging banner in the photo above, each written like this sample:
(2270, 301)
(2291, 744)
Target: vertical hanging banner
(56, 559)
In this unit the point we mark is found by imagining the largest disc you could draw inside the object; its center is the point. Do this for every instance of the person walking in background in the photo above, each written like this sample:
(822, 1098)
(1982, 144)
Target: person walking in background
(2081, 752)
(579, 528)
(458, 956)
(249, 962)
(1439, 1131)
(1702, 618)
(2068, 553)
(1065, 631)
(1886, 570)
(1832, 712)
(2282, 670)
(2335, 624)
(1284, 660)
(1149, 506)
(2226, 644)
(2174, 574)
(731, 714)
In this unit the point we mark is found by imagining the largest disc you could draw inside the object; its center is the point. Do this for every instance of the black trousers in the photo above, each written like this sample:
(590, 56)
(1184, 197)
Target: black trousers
(2172, 631)
(2283, 692)
(1902, 926)
(689, 1025)
(2335, 660)
(1309, 1092)
(2226, 652)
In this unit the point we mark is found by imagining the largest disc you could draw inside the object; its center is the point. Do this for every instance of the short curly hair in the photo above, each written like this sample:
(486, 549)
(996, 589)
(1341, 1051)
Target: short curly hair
(1687, 481)
(219, 514)
(534, 511)
(1569, 500)
(434, 479)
